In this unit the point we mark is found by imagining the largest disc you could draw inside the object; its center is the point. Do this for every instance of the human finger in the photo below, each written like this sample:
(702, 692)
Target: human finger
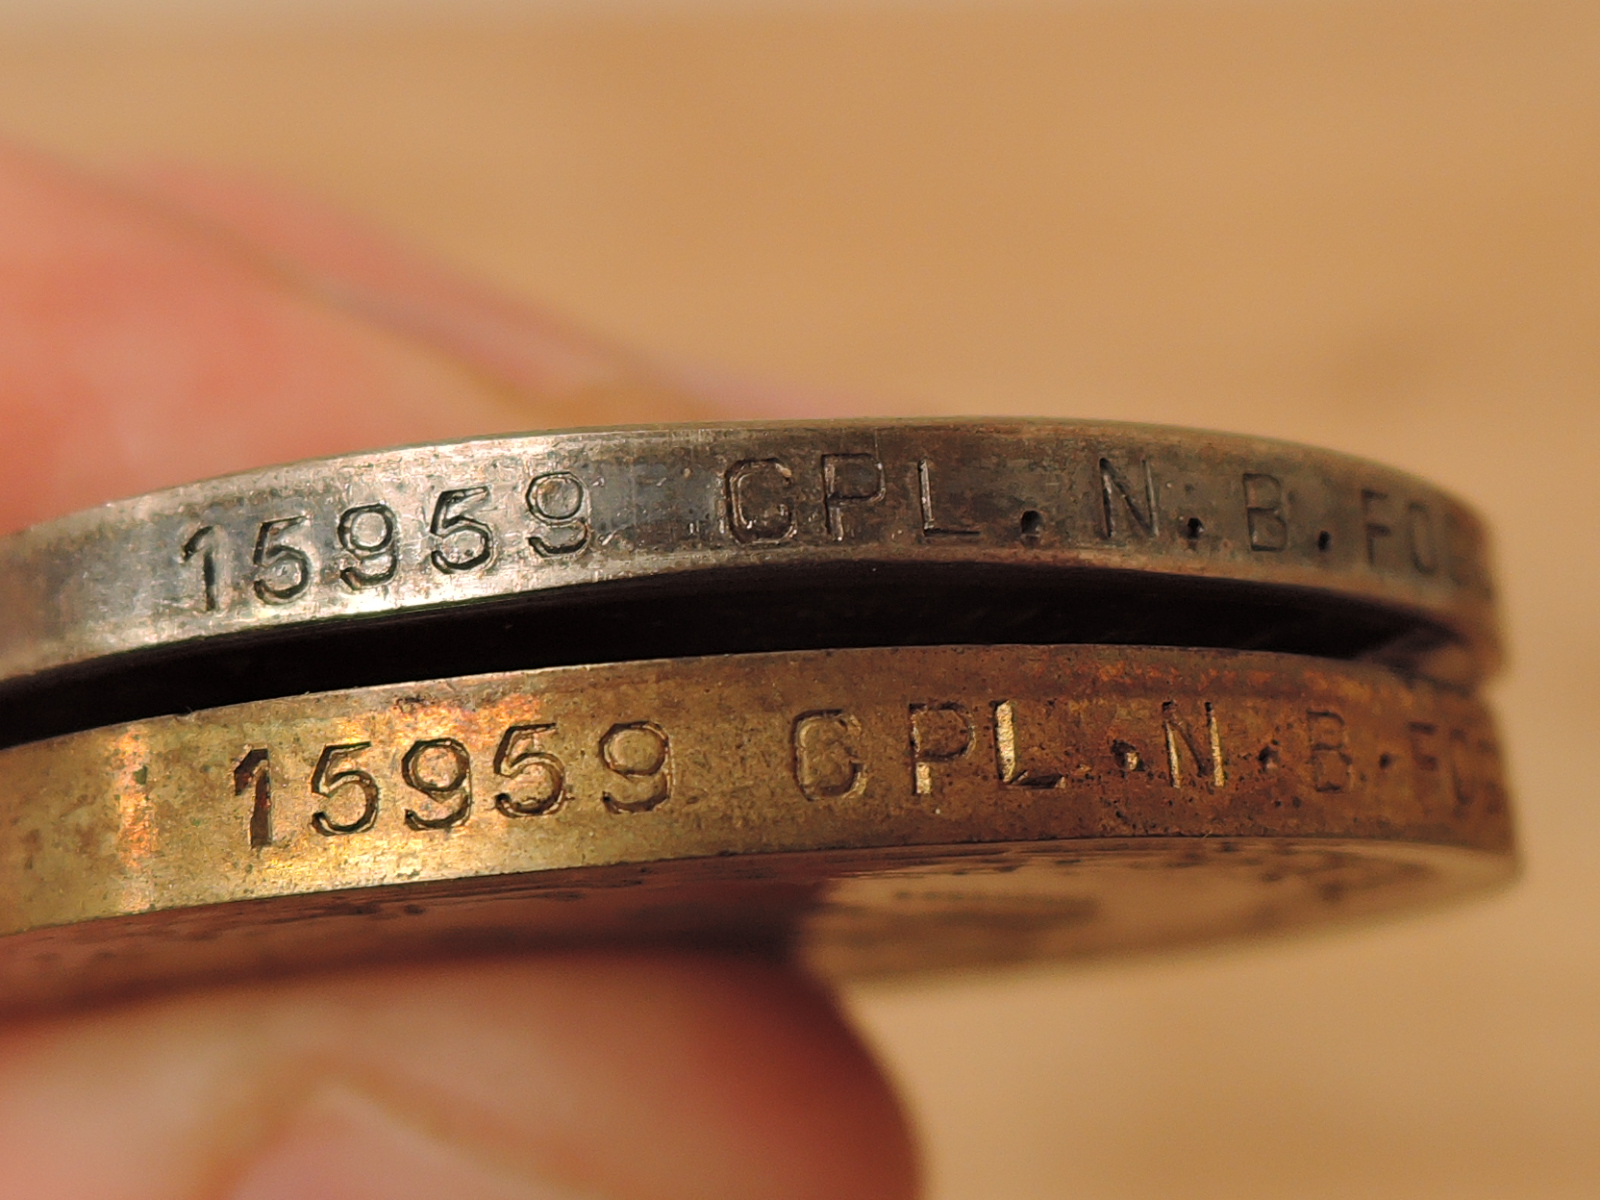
(138, 349)
(599, 1076)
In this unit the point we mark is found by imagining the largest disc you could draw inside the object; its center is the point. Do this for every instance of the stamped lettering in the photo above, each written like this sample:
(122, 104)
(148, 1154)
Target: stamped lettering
(541, 776)
(1263, 511)
(1461, 551)
(201, 544)
(373, 542)
(826, 763)
(1453, 756)
(531, 775)
(1204, 752)
(1008, 760)
(1424, 745)
(931, 526)
(759, 493)
(441, 770)
(940, 733)
(1420, 538)
(1374, 507)
(253, 774)
(558, 502)
(1088, 741)
(640, 753)
(849, 480)
(328, 781)
(1330, 756)
(1136, 503)
(283, 571)
(369, 534)
(1466, 779)
(465, 543)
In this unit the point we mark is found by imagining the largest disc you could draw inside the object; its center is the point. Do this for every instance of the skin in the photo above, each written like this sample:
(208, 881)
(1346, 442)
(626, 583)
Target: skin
(183, 326)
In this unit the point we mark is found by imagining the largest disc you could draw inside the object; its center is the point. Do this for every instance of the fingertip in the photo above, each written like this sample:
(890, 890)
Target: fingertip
(596, 1075)
(355, 267)
(140, 349)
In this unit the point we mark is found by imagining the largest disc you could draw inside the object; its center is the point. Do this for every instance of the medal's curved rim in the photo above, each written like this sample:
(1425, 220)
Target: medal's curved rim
(432, 530)
(279, 811)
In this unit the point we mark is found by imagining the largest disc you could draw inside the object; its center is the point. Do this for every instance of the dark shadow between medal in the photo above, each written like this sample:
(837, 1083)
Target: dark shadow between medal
(737, 611)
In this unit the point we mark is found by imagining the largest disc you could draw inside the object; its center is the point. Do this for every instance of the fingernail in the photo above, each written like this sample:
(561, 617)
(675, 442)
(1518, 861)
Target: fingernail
(341, 1146)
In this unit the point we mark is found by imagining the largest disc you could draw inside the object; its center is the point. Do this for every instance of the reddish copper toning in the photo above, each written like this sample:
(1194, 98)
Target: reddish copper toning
(871, 810)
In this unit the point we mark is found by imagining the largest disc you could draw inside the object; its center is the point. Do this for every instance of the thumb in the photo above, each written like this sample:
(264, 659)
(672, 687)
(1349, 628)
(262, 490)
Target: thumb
(566, 1077)
(571, 374)
(142, 346)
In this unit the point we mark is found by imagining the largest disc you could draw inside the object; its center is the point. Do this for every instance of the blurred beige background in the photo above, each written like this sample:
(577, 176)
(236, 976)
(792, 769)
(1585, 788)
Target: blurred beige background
(1374, 226)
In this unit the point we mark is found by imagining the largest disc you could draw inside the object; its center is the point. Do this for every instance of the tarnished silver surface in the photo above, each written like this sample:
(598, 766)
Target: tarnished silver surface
(318, 544)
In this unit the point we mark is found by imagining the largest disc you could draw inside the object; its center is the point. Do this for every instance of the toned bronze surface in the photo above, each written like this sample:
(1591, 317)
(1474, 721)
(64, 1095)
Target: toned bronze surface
(1104, 532)
(874, 810)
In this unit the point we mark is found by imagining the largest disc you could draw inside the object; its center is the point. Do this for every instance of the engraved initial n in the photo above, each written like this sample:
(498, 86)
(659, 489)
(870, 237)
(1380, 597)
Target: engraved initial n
(1205, 753)
(1115, 486)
